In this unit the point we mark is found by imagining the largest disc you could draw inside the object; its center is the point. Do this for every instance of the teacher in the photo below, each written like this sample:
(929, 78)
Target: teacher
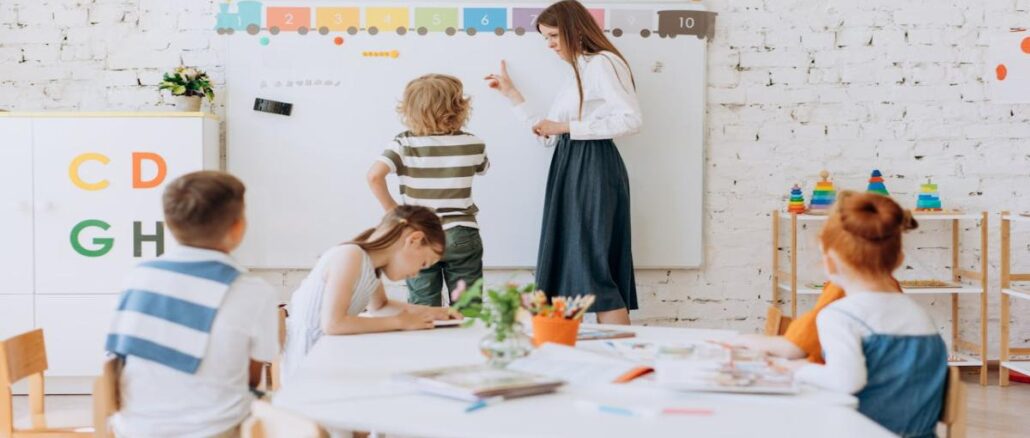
(585, 242)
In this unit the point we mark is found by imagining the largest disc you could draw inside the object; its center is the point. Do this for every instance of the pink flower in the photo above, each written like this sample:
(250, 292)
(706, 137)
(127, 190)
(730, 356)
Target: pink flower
(456, 293)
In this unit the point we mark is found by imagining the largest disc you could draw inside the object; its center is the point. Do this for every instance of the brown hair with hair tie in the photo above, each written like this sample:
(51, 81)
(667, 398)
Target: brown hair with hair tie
(865, 231)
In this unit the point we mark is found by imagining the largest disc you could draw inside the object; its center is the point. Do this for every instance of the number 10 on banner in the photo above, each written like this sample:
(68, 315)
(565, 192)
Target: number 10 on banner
(485, 19)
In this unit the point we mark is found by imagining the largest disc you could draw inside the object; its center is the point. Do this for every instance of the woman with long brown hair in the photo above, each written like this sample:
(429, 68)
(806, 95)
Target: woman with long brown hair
(585, 239)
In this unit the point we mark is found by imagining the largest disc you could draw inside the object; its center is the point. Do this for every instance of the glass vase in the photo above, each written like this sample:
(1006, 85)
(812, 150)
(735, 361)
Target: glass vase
(505, 344)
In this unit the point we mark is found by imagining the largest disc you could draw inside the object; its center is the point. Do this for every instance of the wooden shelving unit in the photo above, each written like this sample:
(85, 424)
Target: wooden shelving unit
(1007, 293)
(967, 282)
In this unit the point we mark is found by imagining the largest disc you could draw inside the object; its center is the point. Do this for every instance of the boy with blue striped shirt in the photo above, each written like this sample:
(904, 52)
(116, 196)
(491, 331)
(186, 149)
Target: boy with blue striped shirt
(192, 326)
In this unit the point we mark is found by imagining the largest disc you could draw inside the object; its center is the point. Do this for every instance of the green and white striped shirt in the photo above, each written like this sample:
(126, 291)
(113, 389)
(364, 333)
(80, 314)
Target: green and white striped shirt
(436, 171)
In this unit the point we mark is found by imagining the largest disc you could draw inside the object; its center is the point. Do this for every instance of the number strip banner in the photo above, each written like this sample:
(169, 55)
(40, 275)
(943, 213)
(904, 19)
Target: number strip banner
(253, 17)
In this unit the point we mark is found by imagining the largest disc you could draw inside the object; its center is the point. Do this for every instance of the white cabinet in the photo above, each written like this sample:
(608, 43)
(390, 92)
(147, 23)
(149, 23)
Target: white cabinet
(83, 209)
(75, 327)
(98, 185)
(16, 208)
(15, 315)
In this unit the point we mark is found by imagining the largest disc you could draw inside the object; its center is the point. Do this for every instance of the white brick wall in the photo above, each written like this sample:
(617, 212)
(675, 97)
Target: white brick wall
(795, 86)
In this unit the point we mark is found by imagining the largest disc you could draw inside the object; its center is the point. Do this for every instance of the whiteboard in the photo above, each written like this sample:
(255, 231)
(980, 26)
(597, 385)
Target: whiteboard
(305, 173)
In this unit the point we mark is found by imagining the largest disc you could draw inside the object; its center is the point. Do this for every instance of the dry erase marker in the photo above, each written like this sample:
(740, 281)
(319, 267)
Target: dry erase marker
(639, 412)
(482, 403)
(615, 410)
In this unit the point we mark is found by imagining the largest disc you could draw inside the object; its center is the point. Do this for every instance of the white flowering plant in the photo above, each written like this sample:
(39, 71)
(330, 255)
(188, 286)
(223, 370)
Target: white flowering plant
(188, 81)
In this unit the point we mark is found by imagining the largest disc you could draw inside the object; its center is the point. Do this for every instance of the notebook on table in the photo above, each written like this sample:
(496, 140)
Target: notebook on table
(477, 382)
(447, 323)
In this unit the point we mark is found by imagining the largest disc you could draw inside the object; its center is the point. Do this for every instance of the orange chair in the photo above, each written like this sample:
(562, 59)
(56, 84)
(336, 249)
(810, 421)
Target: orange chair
(106, 397)
(24, 356)
(953, 413)
(775, 323)
(267, 421)
(273, 369)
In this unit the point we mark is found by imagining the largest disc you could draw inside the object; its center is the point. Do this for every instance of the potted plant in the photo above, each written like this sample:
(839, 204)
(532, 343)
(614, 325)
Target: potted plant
(191, 85)
(497, 309)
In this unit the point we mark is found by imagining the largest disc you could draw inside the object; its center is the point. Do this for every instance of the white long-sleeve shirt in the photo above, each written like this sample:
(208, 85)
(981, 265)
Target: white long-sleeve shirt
(844, 325)
(610, 106)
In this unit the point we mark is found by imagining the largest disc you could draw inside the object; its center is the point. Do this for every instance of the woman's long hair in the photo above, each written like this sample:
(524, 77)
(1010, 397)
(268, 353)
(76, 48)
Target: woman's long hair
(579, 35)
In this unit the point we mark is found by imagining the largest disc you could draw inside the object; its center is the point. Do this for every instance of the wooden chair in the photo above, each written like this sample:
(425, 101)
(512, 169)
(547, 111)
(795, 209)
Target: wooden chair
(267, 421)
(953, 413)
(272, 371)
(775, 323)
(106, 397)
(24, 356)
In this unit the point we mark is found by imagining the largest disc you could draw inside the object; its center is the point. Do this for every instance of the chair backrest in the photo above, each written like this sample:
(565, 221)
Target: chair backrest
(272, 377)
(22, 356)
(267, 421)
(953, 411)
(775, 323)
(106, 396)
(283, 314)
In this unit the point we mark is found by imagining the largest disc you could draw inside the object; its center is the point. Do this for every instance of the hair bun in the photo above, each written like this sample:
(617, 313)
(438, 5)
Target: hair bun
(874, 217)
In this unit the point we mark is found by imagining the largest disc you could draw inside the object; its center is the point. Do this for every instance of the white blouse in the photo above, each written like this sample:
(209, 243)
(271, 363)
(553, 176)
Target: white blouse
(610, 106)
(845, 323)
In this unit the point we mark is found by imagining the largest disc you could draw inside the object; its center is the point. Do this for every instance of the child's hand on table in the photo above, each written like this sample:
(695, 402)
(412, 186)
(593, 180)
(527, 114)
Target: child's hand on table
(438, 313)
(415, 320)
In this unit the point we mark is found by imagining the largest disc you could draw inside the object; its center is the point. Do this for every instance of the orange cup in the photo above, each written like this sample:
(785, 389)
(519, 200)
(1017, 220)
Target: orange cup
(558, 330)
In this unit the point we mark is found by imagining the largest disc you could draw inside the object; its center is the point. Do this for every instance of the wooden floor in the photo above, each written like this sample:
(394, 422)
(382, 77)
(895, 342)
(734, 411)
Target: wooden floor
(993, 411)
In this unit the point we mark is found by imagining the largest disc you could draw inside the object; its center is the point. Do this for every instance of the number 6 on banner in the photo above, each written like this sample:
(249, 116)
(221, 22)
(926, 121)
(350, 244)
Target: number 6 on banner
(486, 19)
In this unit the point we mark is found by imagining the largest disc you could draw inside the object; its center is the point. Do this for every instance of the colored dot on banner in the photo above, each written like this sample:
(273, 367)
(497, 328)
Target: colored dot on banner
(338, 41)
(1001, 71)
(1025, 45)
(395, 54)
(264, 41)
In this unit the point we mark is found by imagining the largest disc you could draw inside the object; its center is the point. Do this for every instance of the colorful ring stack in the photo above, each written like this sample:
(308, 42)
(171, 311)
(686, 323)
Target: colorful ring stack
(797, 200)
(823, 196)
(929, 199)
(876, 184)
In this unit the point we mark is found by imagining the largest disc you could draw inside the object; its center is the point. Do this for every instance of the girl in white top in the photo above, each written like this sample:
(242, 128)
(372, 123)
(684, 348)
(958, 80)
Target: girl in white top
(878, 344)
(345, 282)
(585, 239)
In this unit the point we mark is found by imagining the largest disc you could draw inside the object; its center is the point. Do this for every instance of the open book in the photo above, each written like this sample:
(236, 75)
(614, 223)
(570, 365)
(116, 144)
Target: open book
(476, 382)
(712, 367)
(579, 366)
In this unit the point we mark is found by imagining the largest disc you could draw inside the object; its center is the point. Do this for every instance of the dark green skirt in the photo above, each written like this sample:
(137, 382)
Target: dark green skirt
(585, 239)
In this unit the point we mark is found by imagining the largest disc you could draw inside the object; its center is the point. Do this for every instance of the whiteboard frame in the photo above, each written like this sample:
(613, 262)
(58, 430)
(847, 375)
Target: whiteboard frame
(698, 250)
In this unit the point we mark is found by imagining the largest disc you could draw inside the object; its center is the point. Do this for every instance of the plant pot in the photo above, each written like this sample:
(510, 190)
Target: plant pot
(503, 345)
(557, 330)
(190, 104)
